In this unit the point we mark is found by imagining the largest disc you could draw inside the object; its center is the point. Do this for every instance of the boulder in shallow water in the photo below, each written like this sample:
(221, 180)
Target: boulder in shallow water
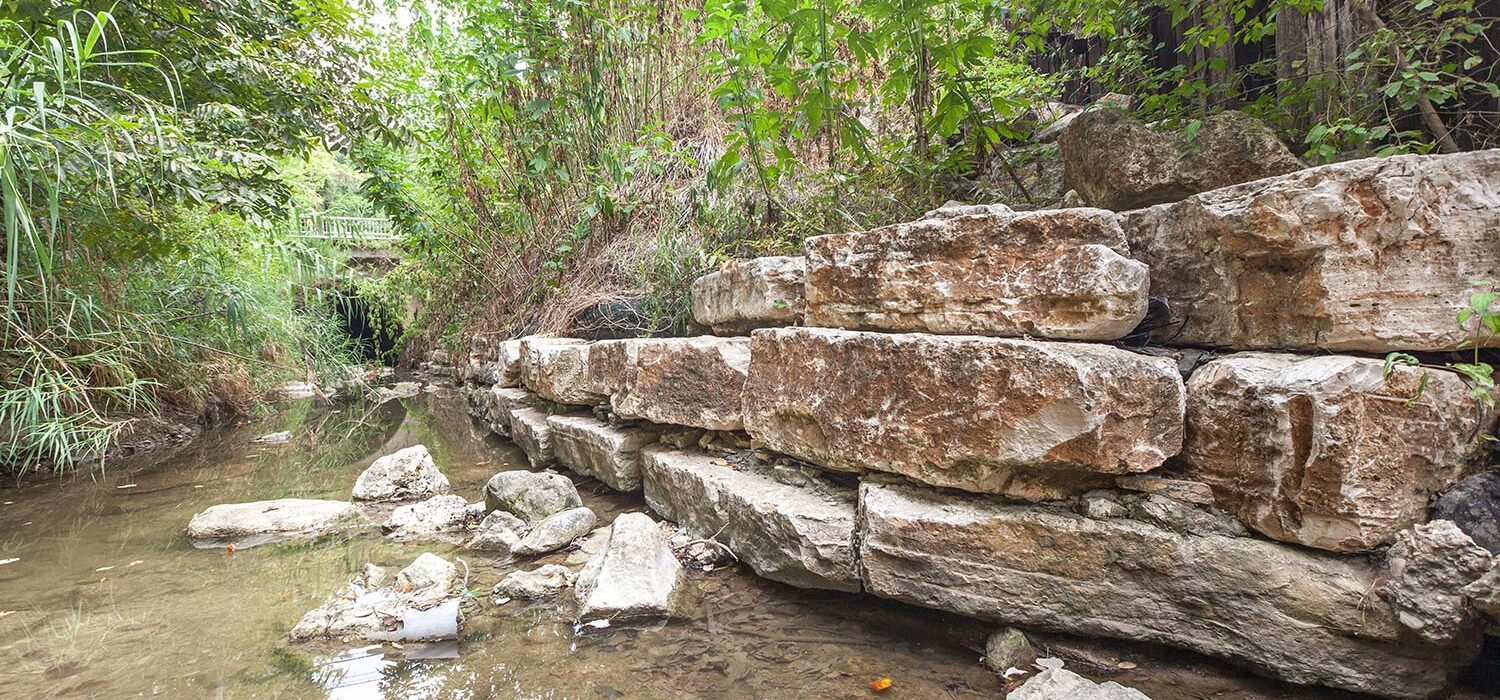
(531, 496)
(1008, 648)
(1430, 566)
(556, 531)
(1304, 616)
(260, 522)
(747, 294)
(499, 531)
(1473, 504)
(420, 604)
(1062, 684)
(404, 475)
(635, 576)
(1058, 273)
(542, 582)
(435, 515)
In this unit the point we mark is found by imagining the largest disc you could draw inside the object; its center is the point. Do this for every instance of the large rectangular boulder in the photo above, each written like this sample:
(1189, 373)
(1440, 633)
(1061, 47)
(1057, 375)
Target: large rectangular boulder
(1302, 616)
(557, 370)
(961, 411)
(1328, 451)
(1373, 255)
(695, 382)
(591, 447)
(798, 535)
(1062, 273)
(493, 406)
(749, 294)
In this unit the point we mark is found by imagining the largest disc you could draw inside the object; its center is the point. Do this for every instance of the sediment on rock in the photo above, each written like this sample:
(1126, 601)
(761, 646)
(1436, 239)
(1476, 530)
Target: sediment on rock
(799, 535)
(1063, 273)
(1301, 616)
(961, 411)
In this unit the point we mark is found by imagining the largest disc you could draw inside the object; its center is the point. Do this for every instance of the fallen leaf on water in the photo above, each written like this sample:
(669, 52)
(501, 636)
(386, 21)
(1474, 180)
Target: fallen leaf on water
(11, 560)
(229, 549)
(880, 685)
(103, 568)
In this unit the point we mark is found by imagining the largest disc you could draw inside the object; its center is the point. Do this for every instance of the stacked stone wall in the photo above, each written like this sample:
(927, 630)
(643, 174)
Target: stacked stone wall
(956, 412)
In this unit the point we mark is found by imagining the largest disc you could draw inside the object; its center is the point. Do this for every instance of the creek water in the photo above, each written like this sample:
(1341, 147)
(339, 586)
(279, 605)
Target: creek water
(105, 597)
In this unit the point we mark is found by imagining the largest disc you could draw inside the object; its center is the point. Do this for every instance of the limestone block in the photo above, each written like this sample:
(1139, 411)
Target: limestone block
(1373, 255)
(980, 414)
(609, 453)
(696, 382)
(508, 363)
(1303, 616)
(749, 294)
(557, 370)
(404, 475)
(635, 575)
(798, 535)
(1061, 273)
(1324, 451)
(528, 429)
(247, 524)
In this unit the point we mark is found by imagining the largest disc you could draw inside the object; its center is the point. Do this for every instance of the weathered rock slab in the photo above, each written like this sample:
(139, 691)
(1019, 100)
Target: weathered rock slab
(508, 363)
(696, 382)
(557, 370)
(749, 294)
(248, 524)
(1327, 451)
(497, 404)
(1061, 273)
(1372, 255)
(798, 535)
(979, 414)
(1302, 616)
(404, 475)
(1114, 161)
(635, 576)
(606, 452)
(530, 496)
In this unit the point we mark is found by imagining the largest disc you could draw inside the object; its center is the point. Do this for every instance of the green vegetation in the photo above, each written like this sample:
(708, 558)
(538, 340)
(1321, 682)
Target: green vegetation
(540, 158)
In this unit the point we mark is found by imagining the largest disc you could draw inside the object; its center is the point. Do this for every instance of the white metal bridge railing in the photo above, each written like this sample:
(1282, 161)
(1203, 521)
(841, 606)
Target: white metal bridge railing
(349, 229)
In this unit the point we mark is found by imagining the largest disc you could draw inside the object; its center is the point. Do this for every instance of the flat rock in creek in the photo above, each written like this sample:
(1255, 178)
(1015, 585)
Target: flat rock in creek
(635, 576)
(260, 522)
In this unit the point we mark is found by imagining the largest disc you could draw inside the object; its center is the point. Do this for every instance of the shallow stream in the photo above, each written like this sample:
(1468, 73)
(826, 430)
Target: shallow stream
(106, 598)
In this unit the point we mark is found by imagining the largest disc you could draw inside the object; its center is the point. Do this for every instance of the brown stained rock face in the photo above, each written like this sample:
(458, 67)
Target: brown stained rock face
(1371, 255)
(1323, 451)
(557, 370)
(607, 365)
(1302, 616)
(750, 294)
(1114, 161)
(696, 382)
(979, 414)
(1061, 273)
